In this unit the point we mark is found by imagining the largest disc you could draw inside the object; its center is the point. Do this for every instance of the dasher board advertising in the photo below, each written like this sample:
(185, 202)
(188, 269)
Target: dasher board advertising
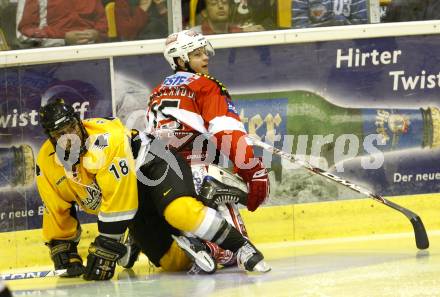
(85, 85)
(367, 109)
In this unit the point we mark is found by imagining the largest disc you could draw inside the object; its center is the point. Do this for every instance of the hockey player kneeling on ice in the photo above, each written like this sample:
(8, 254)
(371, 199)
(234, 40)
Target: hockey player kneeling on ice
(91, 163)
(85, 162)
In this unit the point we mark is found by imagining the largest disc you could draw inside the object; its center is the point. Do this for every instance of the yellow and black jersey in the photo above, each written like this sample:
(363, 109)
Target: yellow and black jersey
(102, 183)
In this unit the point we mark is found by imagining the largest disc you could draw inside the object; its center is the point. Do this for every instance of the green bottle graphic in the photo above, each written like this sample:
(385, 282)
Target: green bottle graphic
(17, 166)
(309, 114)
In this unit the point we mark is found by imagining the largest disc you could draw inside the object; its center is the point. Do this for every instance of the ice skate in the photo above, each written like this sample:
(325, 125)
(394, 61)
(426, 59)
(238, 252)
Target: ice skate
(251, 259)
(198, 252)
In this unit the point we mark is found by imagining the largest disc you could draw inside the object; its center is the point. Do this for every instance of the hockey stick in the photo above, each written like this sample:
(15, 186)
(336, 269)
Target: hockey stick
(32, 274)
(421, 236)
(422, 241)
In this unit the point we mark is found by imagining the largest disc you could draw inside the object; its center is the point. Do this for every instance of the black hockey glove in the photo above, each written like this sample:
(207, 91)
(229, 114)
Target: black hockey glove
(65, 255)
(101, 261)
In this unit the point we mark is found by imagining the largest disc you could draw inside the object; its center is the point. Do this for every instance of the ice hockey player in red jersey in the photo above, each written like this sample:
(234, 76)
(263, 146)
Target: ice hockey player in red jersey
(188, 106)
(191, 102)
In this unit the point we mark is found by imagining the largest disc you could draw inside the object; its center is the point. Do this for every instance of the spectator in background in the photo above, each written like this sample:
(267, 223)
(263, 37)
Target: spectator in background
(215, 19)
(264, 12)
(3, 43)
(253, 15)
(412, 10)
(186, 13)
(141, 19)
(8, 10)
(61, 22)
(322, 13)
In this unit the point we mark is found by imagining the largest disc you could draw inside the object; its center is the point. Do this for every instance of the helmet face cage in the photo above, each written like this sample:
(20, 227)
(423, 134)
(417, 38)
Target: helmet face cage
(69, 127)
(179, 45)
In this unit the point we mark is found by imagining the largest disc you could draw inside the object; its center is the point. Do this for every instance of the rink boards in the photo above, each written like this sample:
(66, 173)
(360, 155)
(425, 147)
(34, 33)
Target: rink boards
(297, 222)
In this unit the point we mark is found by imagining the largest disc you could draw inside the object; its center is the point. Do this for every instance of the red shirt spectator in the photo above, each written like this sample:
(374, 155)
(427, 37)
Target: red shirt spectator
(60, 22)
(132, 21)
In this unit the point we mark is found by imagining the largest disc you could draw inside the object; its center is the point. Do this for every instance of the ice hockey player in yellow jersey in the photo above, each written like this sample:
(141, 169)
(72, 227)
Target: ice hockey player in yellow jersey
(97, 176)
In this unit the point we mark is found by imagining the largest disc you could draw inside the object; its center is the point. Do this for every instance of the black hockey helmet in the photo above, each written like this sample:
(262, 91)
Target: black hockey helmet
(58, 118)
(56, 115)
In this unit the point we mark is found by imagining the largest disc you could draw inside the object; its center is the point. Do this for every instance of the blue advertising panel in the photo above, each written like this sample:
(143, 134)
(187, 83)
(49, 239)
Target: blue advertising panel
(86, 85)
(387, 88)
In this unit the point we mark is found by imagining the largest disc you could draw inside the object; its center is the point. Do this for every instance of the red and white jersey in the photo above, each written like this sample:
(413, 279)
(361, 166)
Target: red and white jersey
(191, 104)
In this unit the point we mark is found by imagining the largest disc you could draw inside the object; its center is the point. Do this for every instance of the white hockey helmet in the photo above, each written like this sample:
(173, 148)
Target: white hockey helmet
(179, 45)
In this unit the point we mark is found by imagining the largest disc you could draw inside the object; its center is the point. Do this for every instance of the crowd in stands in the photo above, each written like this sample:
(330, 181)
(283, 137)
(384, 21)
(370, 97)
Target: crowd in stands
(412, 10)
(44, 23)
(319, 13)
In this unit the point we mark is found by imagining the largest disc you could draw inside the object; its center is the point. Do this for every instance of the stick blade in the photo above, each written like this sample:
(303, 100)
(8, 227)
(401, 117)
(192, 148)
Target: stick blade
(422, 241)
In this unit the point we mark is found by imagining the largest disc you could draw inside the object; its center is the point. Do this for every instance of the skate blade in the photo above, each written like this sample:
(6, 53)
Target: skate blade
(205, 262)
(262, 267)
(202, 259)
(126, 258)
